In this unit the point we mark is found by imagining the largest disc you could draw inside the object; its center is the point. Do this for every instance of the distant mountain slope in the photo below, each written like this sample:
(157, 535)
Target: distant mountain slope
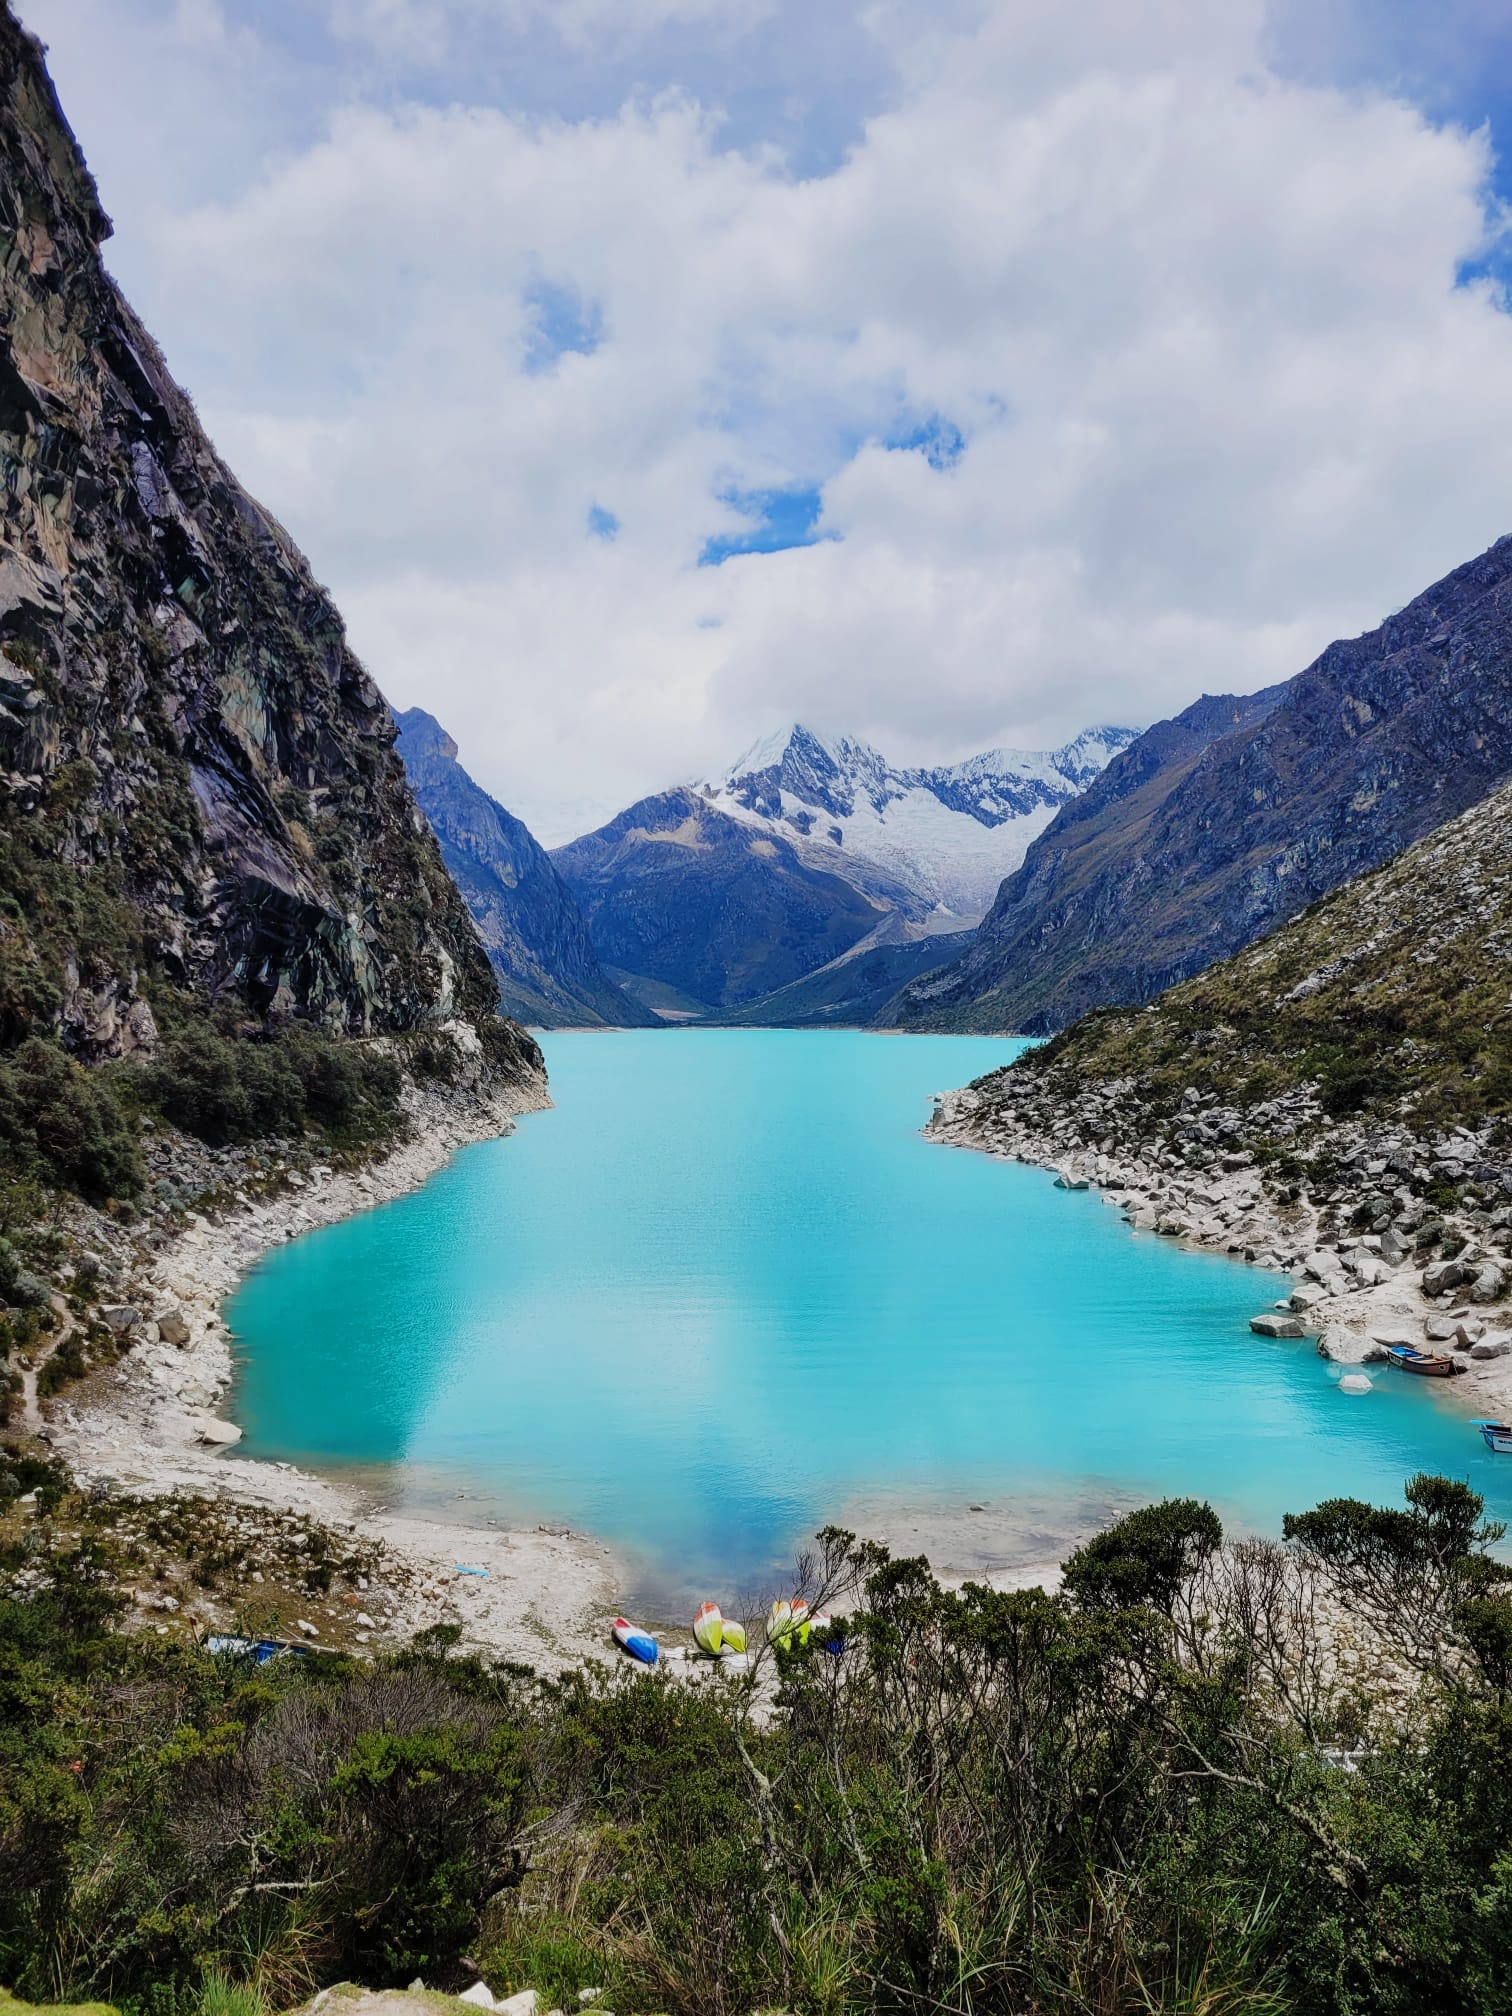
(680, 893)
(1215, 827)
(1391, 996)
(529, 921)
(852, 990)
(949, 834)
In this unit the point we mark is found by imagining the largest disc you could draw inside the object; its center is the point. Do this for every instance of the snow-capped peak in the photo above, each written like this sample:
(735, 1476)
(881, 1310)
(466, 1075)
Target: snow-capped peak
(950, 833)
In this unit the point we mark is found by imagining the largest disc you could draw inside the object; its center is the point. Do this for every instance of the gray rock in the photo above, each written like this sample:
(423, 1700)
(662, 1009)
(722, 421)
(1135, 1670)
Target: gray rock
(1491, 1347)
(1276, 1326)
(1349, 1347)
(172, 1327)
(28, 1290)
(220, 1434)
(1490, 1284)
(1441, 1276)
(119, 1316)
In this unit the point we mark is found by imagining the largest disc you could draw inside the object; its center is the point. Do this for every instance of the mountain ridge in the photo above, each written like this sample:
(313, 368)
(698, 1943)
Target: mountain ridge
(1216, 826)
(681, 894)
(208, 842)
(532, 929)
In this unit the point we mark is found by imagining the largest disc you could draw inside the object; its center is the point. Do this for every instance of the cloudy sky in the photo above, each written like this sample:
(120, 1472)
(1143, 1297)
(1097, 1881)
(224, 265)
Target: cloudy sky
(642, 373)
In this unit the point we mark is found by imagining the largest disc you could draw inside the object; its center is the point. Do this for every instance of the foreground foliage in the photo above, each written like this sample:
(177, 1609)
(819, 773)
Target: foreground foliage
(1162, 1789)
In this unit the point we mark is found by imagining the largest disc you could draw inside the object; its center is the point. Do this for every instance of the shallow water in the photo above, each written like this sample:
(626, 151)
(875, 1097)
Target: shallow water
(726, 1291)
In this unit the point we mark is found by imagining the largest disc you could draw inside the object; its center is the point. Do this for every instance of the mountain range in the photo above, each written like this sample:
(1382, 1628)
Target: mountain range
(1213, 828)
(948, 834)
(717, 899)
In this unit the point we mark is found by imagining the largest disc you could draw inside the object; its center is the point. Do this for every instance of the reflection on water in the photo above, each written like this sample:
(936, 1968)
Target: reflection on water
(725, 1290)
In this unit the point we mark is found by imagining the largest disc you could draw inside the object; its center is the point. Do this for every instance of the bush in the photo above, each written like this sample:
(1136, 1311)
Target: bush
(1110, 1800)
(65, 1125)
(227, 1089)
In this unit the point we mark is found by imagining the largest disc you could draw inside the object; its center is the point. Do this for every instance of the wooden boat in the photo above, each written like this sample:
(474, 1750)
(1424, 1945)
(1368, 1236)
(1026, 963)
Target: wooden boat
(1497, 1436)
(1427, 1364)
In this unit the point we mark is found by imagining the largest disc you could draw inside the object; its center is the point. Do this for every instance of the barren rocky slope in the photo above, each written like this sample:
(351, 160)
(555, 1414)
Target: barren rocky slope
(1210, 831)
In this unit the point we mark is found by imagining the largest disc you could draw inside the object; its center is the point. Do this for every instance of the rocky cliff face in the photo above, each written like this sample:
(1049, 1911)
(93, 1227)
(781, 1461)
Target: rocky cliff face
(681, 895)
(532, 929)
(1212, 829)
(199, 786)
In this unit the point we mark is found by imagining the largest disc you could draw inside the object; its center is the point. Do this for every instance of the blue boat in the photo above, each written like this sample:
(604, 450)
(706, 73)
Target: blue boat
(1497, 1436)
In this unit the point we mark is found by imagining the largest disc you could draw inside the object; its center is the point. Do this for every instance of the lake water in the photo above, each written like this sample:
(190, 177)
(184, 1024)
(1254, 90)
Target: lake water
(726, 1291)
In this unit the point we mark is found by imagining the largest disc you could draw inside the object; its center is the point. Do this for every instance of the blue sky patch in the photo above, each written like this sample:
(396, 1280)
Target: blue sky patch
(939, 440)
(559, 322)
(778, 519)
(601, 523)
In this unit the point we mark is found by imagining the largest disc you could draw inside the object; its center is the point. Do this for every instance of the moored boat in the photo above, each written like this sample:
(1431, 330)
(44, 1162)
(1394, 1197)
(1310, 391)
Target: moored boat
(630, 1638)
(1497, 1436)
(1426, 1364)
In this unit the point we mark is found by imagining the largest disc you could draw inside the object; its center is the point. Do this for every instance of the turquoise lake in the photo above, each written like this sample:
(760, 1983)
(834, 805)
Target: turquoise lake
(726, 1291)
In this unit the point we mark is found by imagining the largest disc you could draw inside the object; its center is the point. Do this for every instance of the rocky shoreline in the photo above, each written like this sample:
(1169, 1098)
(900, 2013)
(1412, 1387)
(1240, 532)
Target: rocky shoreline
(146, 1428)
(1388, 1237)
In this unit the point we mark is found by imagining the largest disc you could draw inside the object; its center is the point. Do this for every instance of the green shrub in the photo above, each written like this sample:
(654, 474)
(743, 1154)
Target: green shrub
(1096, 1801)
(228, 1089)
(65, 1124)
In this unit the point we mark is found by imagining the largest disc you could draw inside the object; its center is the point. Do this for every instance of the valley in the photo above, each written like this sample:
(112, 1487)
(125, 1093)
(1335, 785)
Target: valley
(433, 1262)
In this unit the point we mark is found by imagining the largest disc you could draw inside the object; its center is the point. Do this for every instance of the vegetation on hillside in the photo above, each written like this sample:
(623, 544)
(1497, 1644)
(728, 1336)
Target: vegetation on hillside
(219, 1073)
(1391, 996)
(1159, 1790)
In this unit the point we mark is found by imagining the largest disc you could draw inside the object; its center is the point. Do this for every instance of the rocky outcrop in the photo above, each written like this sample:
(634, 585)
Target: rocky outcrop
(198, 785)
(1217, 826)
(686, 897)
(528, 919)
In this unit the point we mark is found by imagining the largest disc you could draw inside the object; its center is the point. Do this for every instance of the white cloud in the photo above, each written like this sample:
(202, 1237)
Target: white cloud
(1199, 326)
(431, 30)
